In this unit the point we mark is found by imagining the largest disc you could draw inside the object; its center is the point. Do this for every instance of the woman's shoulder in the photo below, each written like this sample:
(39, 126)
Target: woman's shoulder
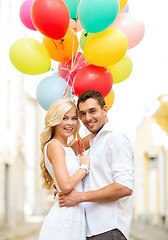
(54, 144)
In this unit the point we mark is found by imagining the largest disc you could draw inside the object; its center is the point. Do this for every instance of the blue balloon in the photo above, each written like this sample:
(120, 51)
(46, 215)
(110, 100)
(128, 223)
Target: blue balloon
(50, 89)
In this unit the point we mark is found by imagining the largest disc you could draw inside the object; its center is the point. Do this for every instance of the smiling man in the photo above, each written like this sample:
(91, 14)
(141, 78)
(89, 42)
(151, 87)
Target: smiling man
(108, 186)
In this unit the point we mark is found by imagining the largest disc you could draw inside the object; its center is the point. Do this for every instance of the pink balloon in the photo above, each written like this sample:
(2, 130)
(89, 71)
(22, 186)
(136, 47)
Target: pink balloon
(75, 25)
(68, 70)
(132, 27)
(25, 14)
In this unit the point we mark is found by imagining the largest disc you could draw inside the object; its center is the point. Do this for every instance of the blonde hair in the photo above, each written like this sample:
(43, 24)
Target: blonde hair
(54, 117)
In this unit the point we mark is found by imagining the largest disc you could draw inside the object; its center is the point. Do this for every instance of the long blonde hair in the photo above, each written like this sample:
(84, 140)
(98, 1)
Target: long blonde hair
(54, 117)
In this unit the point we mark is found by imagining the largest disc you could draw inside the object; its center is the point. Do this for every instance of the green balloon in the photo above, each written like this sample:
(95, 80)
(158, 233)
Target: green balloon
(97, 15)
(72, 6)
(83, 39)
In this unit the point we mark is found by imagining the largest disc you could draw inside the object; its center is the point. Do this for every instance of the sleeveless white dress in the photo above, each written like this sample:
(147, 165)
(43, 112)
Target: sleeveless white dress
(67, 223)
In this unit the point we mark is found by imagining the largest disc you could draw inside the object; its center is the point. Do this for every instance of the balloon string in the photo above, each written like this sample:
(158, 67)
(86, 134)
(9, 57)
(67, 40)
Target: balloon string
(74, 57)
(69, 76)
(80, 145)
(58, 48)
(71, 67)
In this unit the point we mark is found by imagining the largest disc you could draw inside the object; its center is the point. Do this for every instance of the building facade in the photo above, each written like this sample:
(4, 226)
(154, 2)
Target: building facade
(20, 126)
(151, 161)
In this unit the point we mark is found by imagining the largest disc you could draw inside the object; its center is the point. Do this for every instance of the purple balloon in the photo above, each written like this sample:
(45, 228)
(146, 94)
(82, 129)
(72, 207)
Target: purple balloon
(126, 9)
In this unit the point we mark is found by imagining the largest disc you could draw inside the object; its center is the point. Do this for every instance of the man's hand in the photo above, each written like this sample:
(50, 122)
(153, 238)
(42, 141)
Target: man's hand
(70, 199)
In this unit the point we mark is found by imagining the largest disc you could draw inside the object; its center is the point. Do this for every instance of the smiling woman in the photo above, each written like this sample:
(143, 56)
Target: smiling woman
(60, 166)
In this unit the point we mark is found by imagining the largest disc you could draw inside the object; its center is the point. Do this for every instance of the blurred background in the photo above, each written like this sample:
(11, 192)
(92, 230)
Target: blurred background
(140, 110)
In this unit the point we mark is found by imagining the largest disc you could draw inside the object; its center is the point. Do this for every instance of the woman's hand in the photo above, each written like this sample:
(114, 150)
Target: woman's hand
(84, 160)
(55, 191)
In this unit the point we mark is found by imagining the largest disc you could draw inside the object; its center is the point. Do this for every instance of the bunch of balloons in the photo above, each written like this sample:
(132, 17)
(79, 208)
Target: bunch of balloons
(89, 40)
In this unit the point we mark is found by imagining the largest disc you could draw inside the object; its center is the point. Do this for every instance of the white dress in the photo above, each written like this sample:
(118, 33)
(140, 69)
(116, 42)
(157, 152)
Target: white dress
(67, 223)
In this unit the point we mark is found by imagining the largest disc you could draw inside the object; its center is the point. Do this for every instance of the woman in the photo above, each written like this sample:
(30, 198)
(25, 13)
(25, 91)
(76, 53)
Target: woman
(60, 166)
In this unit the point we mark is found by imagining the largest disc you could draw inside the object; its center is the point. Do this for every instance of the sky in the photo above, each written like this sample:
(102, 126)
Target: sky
(148, 79)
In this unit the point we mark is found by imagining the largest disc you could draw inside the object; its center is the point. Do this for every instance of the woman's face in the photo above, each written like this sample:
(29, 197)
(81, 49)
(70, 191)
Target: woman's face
(68, 125)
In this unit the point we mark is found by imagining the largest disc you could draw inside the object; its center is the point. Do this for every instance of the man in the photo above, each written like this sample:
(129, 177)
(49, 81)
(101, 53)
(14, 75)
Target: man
(108, 186)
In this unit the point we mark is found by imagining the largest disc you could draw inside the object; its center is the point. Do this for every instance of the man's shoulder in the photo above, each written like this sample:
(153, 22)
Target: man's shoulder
(118, 137)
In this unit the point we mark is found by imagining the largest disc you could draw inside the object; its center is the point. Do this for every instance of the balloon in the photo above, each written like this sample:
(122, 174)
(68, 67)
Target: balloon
(133, 28)
(83, 39)
(64, 68)
(122, 4)
(121, 70)
(75, 25)
(50, 17)
(126, 9)
(93, 77)
(72, 6)
(50, 89)
(109, 99)
(30, 56)
(64, 49)
(97, 15)
(105, 48)
(25, 14)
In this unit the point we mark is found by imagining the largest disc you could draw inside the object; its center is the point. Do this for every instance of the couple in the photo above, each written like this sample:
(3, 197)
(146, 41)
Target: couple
(104, 209)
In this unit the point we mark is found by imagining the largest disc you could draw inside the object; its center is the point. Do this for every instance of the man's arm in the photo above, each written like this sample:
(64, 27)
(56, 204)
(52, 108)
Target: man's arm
(108, 193)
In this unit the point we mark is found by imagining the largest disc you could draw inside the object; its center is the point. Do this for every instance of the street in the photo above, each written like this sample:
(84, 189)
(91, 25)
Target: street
(35, 236)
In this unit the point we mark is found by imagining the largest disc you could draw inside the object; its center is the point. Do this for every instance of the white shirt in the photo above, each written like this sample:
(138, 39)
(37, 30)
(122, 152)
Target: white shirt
(111, 160)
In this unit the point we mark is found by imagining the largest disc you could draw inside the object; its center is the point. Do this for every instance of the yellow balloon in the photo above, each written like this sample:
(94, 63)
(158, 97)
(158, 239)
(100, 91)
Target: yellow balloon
(109, 99)
(121, 70)
(30, 56)
(105, 48)
(122, 4)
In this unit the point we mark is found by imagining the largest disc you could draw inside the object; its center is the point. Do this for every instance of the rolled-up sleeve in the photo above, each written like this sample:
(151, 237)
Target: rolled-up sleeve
(122, 161)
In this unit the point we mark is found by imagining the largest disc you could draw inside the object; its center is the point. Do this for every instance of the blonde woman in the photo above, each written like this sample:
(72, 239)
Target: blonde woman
(60, 166)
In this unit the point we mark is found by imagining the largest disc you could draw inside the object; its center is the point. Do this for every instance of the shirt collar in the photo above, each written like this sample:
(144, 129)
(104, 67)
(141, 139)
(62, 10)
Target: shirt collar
(107, 127)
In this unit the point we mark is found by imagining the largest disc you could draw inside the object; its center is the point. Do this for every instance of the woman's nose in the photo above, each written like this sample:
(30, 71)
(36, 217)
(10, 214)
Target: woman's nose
(70, 122)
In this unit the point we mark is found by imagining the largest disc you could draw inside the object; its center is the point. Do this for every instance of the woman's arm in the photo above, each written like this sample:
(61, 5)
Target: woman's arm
(85, 143)
(56, 155)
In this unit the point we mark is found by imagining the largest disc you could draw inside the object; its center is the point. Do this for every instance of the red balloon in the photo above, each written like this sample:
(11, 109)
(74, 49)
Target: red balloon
(93, 77)
(50, 17)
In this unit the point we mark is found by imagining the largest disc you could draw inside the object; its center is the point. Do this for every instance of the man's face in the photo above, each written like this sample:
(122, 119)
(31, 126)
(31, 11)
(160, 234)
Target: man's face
(92, 115)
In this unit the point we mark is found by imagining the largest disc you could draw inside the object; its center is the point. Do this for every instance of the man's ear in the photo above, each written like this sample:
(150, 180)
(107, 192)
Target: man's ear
(105, 108)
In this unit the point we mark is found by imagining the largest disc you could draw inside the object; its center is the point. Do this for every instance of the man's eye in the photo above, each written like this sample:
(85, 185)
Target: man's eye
(75, 118)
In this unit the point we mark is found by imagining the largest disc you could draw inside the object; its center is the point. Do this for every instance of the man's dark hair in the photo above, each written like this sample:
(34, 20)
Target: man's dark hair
(91, 94)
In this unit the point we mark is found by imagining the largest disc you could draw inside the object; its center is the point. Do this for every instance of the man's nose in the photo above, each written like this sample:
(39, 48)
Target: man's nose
(88, 117)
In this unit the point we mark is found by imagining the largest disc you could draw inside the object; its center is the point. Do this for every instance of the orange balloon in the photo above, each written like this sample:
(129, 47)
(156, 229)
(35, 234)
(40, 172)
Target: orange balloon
(122, 4)
(62, 50)
(109, 99)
